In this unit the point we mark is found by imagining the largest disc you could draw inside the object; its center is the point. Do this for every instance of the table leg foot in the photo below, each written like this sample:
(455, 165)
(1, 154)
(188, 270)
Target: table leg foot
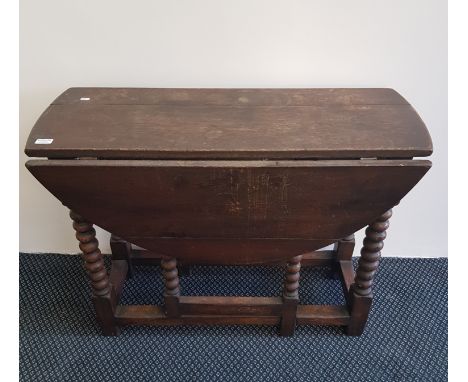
(360, 312)
(105, 309)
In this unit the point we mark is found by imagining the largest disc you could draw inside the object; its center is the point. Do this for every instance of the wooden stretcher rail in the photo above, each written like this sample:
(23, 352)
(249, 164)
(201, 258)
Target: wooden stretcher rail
(322, 315)
(306, 314)
(154, 315)
(310, 259)
(237, 306)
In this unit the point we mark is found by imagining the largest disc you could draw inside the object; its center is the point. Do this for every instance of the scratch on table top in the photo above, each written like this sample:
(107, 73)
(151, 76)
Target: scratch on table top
(234, 205)
(284, 194)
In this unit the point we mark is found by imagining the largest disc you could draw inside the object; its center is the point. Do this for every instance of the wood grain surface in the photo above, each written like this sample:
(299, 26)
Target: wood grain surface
(230, 124)
(174, 204)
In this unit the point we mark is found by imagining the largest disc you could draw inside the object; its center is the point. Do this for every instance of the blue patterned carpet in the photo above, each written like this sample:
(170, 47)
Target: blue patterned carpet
(405, 339)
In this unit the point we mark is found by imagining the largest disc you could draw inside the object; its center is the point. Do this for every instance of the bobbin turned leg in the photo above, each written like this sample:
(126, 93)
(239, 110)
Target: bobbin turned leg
(290, 296)
(361, 290)
(103, 294)
(121, 250)
(171, 286)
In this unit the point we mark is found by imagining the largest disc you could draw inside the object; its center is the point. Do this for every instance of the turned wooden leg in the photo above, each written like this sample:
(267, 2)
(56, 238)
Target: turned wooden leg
(171, 286)
(290, 296)
(361, 290)
(344, 249)
(122, 250)
(102, 291)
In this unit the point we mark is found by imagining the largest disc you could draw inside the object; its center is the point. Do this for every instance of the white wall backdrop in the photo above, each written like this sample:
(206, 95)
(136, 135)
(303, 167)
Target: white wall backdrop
(245, 43)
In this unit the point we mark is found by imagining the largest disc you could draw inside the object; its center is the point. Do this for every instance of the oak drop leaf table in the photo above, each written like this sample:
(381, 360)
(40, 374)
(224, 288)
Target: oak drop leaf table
(230, 176)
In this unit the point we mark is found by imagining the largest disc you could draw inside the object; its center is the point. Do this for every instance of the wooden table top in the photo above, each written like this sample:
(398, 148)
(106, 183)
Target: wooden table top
(143, 123)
